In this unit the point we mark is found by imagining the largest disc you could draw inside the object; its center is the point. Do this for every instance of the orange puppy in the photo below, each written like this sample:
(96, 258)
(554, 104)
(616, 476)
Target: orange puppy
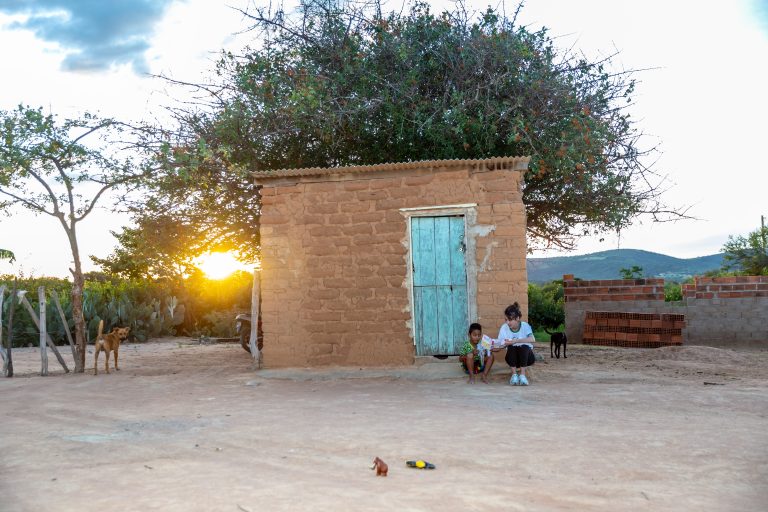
(109, 342)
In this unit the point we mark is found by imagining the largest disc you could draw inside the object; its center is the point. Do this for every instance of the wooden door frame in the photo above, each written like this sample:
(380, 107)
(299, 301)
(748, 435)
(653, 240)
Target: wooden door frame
(469, 212)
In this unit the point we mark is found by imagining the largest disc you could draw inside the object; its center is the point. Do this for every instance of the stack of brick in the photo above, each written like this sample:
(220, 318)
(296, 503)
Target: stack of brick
(639, 330)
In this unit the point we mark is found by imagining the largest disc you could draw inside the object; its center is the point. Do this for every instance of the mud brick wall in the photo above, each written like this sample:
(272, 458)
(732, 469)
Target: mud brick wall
(721, 311)
(728, 310)
(335, 280)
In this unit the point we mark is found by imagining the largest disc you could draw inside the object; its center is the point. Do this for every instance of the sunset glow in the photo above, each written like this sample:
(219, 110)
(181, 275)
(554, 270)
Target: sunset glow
(219, 265)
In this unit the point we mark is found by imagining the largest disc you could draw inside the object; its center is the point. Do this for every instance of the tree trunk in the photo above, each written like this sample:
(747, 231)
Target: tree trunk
(78, 285)
(43, 326)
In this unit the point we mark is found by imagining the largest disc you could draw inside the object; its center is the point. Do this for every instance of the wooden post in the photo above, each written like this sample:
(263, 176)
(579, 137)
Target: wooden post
(2, 348)
(63, 317)
(48, 339)
(9, 363)
(255, 294)
(43, 332)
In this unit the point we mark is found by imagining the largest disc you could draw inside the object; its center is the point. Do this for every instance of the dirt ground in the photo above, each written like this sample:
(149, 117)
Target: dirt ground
(189, 427)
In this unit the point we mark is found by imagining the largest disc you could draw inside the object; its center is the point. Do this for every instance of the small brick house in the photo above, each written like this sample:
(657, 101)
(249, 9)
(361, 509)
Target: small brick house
(374, 265)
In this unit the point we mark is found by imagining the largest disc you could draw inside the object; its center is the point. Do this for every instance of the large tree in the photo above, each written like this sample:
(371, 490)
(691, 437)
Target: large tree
(334, 84)
(62, 169)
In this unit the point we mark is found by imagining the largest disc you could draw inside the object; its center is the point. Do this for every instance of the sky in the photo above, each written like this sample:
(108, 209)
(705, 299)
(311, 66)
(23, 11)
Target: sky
(701, 96)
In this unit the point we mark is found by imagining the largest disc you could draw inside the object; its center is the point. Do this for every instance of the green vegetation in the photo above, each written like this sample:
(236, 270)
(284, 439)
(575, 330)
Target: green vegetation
(634, 272)
(673, 291)
(192, 307)
(546, 306)
(748, 255)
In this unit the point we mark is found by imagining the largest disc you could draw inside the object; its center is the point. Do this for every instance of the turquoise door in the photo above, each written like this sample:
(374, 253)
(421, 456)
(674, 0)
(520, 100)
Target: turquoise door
(439, 284)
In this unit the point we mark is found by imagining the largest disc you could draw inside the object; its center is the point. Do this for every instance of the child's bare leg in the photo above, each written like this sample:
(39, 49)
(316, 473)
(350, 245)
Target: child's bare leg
(470, 366)
(488, 364)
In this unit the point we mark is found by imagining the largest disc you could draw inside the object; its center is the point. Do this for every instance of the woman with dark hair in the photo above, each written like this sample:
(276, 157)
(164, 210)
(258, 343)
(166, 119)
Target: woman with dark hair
(518, 338)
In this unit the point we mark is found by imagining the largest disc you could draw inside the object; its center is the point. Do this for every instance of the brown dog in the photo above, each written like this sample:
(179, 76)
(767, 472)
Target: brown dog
(109, 342)
(380, 466)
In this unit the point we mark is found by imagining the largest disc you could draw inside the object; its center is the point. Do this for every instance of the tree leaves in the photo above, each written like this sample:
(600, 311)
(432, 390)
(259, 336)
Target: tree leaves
(747, 254)
(345, 84)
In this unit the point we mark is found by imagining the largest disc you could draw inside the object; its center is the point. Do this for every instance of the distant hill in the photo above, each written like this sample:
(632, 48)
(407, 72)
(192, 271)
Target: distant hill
(607, 265)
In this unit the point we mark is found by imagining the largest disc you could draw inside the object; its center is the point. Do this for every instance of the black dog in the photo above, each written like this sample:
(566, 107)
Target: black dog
(556, 340)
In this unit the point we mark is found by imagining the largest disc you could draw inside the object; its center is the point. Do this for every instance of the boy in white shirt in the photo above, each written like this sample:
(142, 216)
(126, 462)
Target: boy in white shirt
(518, 338)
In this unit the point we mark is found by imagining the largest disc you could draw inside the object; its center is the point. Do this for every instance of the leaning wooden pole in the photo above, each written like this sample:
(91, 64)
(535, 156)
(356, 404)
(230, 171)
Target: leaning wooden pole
(64, 322)
(9, 366)
(42, 325)
(255, 307)
(2, 348)
(48, 339)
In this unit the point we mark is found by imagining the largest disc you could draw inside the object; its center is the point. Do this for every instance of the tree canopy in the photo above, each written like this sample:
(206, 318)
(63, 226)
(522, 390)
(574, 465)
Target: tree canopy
(747, 254)
(338, 84)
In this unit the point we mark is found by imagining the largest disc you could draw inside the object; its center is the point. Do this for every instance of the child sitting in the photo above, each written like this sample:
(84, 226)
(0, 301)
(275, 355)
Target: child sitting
(518, 337)
(475, 359)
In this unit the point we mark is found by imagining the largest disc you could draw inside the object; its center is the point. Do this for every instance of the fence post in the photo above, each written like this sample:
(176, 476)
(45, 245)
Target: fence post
(43, 332)
(48, 339)
(56, 301)
(2, 348)
(8, 370)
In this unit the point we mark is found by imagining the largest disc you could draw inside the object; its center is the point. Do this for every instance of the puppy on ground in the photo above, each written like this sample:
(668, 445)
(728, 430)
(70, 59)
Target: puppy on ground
(557, 340)
(109, 342)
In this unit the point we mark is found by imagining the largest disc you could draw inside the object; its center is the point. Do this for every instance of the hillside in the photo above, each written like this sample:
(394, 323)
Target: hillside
(607, 265)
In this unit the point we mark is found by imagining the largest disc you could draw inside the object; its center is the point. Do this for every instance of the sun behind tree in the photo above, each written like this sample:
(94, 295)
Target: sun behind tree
(219, 265)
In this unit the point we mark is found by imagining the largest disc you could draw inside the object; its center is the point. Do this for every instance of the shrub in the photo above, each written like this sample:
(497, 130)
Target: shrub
(546, 305)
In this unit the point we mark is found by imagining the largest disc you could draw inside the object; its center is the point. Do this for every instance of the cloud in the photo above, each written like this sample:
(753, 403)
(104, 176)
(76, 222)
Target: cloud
(760, 9)
(97, 33)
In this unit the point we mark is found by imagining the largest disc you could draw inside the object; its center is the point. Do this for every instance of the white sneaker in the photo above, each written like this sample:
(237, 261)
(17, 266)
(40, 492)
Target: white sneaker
(523, 380)
(515, 380)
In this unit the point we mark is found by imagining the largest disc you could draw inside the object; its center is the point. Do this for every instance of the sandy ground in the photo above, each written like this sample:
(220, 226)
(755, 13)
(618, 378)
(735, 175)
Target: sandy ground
(187, 427)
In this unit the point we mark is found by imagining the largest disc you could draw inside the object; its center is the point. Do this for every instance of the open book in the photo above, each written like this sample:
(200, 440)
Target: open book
(487, 343)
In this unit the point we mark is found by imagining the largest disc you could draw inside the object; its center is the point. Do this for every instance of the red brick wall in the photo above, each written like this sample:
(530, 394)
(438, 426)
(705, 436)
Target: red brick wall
(612, 290)
(719, 311)
(731, 287)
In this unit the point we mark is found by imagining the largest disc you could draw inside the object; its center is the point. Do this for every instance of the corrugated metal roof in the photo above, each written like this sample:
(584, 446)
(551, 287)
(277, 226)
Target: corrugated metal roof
(515, 163)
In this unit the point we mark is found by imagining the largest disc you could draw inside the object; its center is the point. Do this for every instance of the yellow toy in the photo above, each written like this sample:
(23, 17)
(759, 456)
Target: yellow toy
(419, 464)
